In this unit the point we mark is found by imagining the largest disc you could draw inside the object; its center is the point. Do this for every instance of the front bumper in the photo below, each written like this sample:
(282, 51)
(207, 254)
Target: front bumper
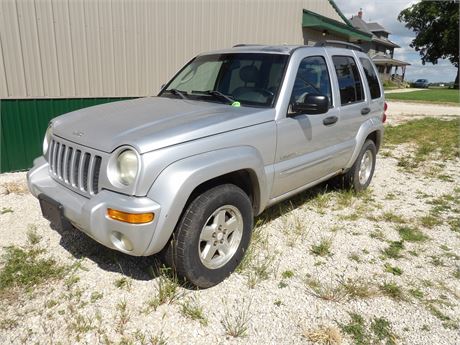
(90, 215)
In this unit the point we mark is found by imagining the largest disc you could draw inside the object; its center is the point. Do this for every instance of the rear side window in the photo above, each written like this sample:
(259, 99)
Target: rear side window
(350, 84)
(371, 77)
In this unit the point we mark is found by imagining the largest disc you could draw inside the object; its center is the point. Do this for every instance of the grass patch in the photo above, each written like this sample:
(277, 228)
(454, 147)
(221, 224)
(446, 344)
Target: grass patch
(323, 335)
(5, 210)
(393, 270)
(236, 325)
(417, 293)
(327, 292)
(355, 257)
(123, 283)
(192, 310)
(356, 329)
(429, 221)
(287, 274)
(25, 268)
(322, 249)
(32, 237)
(378, 332)
(167, 290)
(427, 96)
(429, 135)
(392, 290)
(358, 288)
(344, 290)
(411, 234)
(393, 251)
(393, 218)
(382, 331)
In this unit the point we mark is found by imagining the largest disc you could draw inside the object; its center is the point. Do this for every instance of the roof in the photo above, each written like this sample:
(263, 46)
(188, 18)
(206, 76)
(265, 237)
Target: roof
(319, 22)
(371, 28)
(386, 60)
(375, 27)
(358, 22)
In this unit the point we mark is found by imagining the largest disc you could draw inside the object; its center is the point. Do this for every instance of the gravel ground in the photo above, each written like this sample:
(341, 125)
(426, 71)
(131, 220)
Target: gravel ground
(404, 90)
(289, 292)
(400, 111)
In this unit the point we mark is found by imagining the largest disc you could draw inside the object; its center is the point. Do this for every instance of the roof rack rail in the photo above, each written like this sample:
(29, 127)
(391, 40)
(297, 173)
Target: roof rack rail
(333, 43)
(246, 45)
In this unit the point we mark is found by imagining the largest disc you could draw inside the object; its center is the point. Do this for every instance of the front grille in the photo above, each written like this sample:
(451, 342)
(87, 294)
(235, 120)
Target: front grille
(75, 167)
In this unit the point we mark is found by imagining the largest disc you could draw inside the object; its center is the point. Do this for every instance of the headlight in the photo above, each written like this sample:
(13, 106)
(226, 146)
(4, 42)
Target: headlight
(127, 166)
(46, 140)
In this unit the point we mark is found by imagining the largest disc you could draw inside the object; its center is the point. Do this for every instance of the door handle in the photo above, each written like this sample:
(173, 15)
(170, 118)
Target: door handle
(365, 111)
(330, 120)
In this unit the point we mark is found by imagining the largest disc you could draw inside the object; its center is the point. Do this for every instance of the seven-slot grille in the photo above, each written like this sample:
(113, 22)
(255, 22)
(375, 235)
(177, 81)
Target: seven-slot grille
(74, 166)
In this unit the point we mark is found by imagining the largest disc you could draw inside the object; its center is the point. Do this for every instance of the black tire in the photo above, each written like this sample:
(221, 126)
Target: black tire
(351, 178)
(182, 252)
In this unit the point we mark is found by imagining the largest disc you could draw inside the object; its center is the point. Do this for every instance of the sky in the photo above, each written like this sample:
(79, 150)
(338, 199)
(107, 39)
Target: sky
(385, 12)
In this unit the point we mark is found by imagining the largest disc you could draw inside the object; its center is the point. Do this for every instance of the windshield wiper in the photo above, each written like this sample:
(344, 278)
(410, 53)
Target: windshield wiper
(177, 92)
(217, 94)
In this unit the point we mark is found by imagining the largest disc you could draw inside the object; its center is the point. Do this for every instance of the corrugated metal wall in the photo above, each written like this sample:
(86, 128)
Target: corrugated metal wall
(115, 48)
(23, 124)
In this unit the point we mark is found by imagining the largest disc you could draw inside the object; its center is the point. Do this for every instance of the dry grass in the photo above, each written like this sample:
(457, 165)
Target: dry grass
(323, 335)
(15, 187)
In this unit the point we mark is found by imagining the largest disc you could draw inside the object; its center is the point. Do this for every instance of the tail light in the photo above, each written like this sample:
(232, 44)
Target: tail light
(385, 107)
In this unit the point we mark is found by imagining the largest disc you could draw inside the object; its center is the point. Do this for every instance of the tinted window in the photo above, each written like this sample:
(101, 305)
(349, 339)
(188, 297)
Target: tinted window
(312, 78)
(250, 78)
(371, 77)
(351, 87)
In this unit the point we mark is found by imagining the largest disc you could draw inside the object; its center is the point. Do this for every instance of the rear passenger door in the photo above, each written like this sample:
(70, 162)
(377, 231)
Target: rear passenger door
(353, 104)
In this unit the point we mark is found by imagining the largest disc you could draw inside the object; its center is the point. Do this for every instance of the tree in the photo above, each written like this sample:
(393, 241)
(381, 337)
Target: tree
(435, 24)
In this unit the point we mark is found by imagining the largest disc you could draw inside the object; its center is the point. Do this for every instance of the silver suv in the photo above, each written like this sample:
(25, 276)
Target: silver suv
(234, 132)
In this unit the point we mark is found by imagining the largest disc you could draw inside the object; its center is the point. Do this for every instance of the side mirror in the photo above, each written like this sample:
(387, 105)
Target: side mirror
(312, 104)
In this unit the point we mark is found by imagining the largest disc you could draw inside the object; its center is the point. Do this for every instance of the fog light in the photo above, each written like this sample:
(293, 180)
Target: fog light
(121, 241)
(133, 218)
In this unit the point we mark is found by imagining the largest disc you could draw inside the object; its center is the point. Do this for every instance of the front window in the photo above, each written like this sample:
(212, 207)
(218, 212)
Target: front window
(312, 78)
(250, 79)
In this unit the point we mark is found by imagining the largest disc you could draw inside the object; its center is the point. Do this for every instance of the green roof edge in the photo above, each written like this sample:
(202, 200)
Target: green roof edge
(338, 25)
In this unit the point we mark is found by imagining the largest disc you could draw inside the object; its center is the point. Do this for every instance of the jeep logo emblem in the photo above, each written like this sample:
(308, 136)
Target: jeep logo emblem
(78, 134)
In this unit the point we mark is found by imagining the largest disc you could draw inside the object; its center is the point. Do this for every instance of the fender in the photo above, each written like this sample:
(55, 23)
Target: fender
(176, 183)
(371, 125)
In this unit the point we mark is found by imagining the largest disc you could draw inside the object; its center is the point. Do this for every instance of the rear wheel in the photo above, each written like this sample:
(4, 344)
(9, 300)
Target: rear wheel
(360, 175)
(211, 237)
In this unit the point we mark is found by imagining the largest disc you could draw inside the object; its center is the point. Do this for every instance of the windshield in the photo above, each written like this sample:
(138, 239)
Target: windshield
(250, 79)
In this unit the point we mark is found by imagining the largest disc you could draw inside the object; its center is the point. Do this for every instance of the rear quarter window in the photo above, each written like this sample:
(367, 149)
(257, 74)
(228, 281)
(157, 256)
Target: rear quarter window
(372, 78)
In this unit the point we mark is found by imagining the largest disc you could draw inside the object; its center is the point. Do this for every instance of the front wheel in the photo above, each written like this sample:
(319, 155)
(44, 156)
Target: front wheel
(360, 174)
(211, 237)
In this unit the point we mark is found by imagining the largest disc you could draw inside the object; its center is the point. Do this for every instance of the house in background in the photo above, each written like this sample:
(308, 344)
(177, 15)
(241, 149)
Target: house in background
(381, 49)
(60, 56)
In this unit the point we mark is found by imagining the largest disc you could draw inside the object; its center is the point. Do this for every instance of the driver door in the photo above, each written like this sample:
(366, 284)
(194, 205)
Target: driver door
(307, 144)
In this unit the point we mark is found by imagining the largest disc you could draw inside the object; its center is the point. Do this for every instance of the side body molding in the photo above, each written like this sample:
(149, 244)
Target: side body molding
(176, 183)
(371, 125)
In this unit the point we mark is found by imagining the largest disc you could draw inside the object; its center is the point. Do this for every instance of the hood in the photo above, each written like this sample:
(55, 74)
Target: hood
(154, 122)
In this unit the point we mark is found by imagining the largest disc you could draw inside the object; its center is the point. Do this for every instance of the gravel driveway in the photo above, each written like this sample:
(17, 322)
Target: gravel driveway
(325, 267)
(399, 111)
